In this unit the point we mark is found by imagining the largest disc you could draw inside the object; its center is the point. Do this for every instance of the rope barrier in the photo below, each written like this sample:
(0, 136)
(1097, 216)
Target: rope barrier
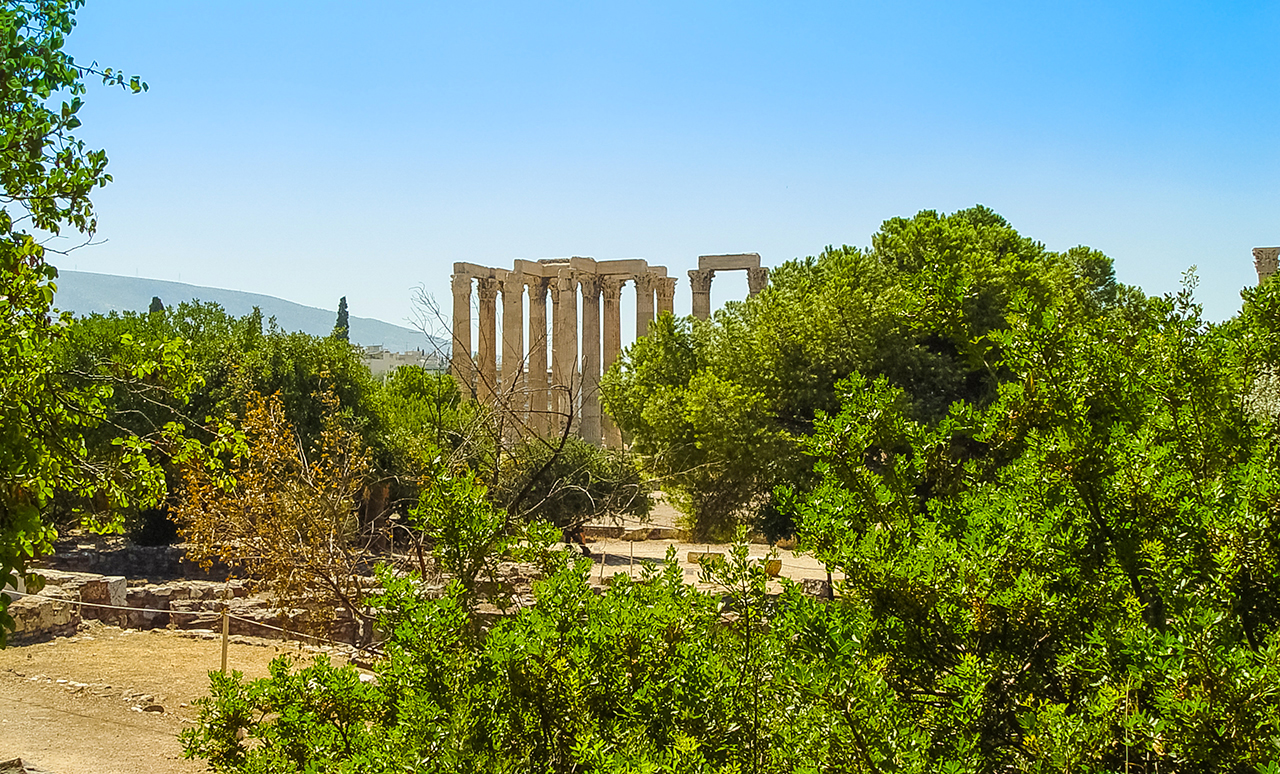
(292, 633)
(193, 613)
(105, 607)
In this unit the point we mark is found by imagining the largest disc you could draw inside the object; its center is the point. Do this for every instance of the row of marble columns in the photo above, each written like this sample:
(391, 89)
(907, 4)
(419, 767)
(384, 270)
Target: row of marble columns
(530, 394)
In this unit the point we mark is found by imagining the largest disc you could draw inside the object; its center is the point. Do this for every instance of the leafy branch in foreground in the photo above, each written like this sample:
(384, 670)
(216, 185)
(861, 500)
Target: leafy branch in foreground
(46, 177)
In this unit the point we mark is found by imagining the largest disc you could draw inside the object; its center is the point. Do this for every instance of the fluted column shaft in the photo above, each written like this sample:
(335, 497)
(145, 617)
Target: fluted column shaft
(512, 286)
(564, 346)
(487, 351)
(700, 286)
(537, 353)
(590, 427)
(644, 303)
(460, 350)
(611, 290)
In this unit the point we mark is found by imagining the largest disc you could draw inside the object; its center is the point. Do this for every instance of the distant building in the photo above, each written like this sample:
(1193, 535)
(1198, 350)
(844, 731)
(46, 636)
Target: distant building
(382, 362)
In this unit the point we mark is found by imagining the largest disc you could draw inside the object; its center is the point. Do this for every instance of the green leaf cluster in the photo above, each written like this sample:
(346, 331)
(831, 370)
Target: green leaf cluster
(1080, 574)
(49, 418)
(721, 409)
(650, 675)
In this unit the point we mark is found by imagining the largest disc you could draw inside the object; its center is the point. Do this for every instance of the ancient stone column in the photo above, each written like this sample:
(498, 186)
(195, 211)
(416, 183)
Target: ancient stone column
(487, 349)
(460, 350)
(757, 278)
(700, 286)
(666, 295)
(590, 427)
(564, 347)
(611, 289)
(1265, 260)
(512, 286)
(644, 302)
(537, 364)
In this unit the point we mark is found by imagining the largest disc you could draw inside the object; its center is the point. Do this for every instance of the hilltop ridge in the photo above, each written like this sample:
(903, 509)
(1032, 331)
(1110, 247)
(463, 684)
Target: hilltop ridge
(83, 293)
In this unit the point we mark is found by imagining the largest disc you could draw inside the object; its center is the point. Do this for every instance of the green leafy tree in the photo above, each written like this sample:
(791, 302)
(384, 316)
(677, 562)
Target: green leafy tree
(47, 175)
(721, 409)
(231, 360)
(1079, 575)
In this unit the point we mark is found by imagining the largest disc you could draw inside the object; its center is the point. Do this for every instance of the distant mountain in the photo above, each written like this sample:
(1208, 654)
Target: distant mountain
(84, 293)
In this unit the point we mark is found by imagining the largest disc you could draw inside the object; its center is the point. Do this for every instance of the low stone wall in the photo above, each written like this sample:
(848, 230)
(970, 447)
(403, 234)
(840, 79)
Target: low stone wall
(115, 556)
(184, 604)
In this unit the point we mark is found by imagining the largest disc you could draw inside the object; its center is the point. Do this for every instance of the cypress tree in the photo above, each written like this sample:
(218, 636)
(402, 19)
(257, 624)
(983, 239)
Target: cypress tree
(341, 327)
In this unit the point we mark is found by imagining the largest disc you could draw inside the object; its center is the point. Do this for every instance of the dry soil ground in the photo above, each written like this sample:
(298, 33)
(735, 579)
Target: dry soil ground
(72, 705)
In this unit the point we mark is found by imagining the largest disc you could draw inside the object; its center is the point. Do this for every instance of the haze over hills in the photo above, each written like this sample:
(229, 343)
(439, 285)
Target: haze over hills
(84, 293)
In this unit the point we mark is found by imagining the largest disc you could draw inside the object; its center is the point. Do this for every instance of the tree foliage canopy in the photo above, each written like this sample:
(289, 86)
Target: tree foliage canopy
(721, 408)
(1074, 573)
(46, 177)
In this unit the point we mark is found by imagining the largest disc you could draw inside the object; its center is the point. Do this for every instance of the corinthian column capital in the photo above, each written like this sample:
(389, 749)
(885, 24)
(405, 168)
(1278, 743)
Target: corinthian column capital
(611, 287)
(564, 283)
(666, 290)
(511, 284)
(487, 288)
(757, 278)
(537, 286)
(1265, 261)
(461, 284)
(700, 280)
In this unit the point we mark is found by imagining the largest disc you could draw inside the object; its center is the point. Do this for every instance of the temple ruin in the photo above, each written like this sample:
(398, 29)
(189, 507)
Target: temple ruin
(542, 384)
(700, 278)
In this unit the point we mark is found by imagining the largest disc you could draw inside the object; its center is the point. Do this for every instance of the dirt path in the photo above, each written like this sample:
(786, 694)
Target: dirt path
(615, 556)
(73, 705)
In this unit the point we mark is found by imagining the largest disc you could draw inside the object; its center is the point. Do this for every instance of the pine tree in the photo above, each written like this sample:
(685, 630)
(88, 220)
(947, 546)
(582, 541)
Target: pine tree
(156, 305)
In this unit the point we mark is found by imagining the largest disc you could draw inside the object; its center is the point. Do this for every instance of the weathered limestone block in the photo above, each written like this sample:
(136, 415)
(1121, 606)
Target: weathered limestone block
(184, 604)
(108, 591)
(729, 262)
(819, 588)
(36, 618)
(153, 604)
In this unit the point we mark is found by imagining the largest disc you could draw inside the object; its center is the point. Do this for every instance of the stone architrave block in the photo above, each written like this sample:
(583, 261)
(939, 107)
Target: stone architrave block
(729, 262)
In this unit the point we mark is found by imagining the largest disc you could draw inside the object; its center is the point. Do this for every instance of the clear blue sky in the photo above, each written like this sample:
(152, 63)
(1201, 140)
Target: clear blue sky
(316, 149)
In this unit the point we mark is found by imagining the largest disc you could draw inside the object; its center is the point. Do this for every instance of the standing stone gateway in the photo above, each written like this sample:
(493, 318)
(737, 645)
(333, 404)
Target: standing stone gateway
(708, 265)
